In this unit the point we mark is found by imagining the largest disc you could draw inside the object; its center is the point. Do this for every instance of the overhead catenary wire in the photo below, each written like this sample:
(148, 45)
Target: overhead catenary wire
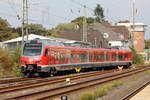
(31, 20)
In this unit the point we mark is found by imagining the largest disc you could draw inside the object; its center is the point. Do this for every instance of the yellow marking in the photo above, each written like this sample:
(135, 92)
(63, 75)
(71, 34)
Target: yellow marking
(78, 69)
(120, 68)
(67, 79)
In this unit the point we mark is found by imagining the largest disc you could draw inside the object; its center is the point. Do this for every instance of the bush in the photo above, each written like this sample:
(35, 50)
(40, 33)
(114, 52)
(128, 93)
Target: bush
(137, 58)
(16, 60)
(6, 62)
(10, 62)
(102, 92)
(140, 60)
(16, 70)
(88, 96)
(109, 86)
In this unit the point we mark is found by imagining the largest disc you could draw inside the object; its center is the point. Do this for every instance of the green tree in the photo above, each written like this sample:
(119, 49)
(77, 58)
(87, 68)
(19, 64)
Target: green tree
(37, 29)
(99, 13)
(60, 27)
(147, 44)
(6, 32)
(79, 21)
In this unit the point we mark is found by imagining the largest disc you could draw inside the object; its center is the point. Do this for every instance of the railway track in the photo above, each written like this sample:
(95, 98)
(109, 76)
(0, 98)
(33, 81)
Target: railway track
(49, 81)
(133, 93)
(18, 79)
(78, 82)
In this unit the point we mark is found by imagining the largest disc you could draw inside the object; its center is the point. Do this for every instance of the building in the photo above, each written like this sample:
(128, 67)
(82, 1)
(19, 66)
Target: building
(138, 37)
(101, 34)
(11, 44)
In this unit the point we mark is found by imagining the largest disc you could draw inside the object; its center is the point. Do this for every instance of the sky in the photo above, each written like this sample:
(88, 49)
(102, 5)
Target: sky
(50, 13)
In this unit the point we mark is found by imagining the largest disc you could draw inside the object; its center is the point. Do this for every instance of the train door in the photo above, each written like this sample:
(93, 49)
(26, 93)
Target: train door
(56, 57)
(51, 57)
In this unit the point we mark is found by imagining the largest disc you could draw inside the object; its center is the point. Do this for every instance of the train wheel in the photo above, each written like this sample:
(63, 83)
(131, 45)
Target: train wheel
(52, 72)
(29, 75)
(23, 75)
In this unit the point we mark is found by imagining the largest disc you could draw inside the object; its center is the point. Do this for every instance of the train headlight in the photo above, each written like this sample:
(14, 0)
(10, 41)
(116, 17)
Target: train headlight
(23, 62)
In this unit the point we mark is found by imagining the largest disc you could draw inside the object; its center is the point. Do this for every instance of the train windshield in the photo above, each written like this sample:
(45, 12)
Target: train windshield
(32, 49)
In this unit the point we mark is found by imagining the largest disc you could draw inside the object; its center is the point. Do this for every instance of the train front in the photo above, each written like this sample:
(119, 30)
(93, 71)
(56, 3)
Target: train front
(31, 57)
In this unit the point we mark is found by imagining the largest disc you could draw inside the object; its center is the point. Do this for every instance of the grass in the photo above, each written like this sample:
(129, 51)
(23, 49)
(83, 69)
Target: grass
(147, 72)
(101, 91)
(88, 96)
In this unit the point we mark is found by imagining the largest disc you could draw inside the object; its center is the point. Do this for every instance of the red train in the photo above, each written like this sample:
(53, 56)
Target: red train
(39, 56)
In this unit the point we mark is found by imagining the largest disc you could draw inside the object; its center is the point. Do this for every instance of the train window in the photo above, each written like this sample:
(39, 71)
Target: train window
(102, 56)
(123, 56)
(107, 57)
(46, 52)
(120, 57)
(126, 55)
(55, 54)
(90, 57)
(78, 57)
(83, 57)
(63, 58)
(99, 57)
(96, 57)
(58, 55)
(31, 49)
(72, 57)
(114, 57)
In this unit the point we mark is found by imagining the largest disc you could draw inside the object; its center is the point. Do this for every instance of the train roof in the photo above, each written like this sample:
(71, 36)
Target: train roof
(54, 43)
(76, 48)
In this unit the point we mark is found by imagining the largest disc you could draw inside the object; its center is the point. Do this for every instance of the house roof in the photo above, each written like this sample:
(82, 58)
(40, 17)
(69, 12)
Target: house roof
(130, 24)
(33, 36)
(103, 29)
(96, 34)
(122, 30)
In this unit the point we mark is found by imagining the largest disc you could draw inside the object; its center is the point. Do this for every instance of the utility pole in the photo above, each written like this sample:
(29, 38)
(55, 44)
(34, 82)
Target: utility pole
(84, 26)
(23, 22)
(95, 40)
(27, 19)
(133, 16)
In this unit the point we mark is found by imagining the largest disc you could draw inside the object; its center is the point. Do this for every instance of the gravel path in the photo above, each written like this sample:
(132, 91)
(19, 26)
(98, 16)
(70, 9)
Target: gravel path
(130, 83)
